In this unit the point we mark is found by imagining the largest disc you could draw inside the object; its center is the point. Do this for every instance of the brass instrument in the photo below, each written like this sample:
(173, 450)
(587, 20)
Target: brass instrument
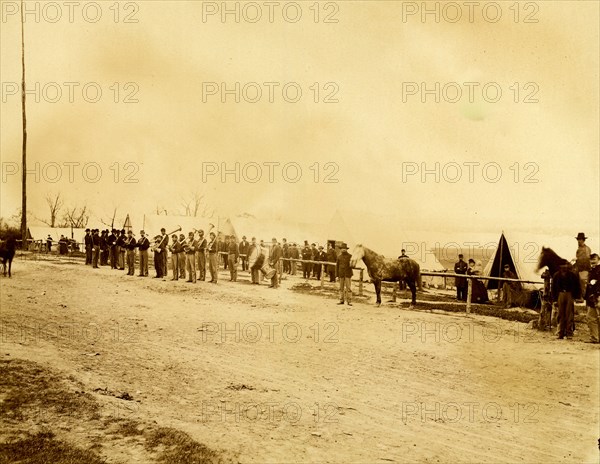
(156, 246)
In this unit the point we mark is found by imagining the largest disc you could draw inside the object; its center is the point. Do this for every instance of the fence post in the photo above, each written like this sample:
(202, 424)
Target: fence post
(469, 294)
(360, 283)
(322, 276)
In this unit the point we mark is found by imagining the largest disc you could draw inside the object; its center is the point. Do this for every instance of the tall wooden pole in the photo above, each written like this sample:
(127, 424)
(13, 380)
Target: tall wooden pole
(24, 149)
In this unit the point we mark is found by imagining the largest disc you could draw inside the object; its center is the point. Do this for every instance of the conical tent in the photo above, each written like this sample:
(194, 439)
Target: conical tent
(523, 267)
(127, 224)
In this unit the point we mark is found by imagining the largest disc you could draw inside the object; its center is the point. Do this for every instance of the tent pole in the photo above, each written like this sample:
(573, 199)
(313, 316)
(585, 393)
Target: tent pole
(502, 240)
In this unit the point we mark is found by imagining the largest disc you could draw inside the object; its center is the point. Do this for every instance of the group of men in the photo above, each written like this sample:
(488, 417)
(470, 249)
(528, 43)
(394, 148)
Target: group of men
(572, 282)
(115, 248)
(462, 267)
(578, 282)
(190, 256)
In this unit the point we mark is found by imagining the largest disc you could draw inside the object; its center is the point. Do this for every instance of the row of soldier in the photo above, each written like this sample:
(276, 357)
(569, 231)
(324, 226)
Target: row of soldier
(190, 256)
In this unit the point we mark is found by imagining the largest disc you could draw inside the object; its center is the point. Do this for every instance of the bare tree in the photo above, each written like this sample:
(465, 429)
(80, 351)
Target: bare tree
(160, 209)
(54, 204)
(77, 217)
(112, 219)
(196, 206)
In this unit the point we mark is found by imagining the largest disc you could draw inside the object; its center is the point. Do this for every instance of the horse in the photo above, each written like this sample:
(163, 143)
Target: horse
(7, 253)
(381, 269)
(548, 258)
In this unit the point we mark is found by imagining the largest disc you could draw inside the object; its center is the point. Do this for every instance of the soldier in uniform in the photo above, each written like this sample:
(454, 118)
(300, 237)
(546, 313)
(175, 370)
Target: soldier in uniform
(181, 259)
(243, 249)
(565, 289)
(158, 259)
(162, 246)
(190, 257)
(121, 243)
(130, 244)
(201, 256)
(344, 272)
(112, 245)
(88, 246)
(460, 267)
(233, 254)
(175, 249)
(275, 261)
(103, 248)
(285, 248)
(306, 256)
(321, 256)
(213, 256)
(143, 245)
(96, 245)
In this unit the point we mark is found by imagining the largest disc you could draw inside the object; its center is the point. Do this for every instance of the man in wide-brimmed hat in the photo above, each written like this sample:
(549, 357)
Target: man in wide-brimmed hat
(344, 272)
(582, 263)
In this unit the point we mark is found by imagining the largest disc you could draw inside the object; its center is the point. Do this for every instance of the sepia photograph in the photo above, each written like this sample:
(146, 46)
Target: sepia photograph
(299, 232)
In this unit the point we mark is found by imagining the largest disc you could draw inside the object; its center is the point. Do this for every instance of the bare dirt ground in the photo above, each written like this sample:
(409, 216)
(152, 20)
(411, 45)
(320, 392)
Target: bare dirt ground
(259, 375)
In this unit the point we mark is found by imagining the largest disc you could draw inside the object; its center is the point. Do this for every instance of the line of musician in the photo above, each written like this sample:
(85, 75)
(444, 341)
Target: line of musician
(191, 255)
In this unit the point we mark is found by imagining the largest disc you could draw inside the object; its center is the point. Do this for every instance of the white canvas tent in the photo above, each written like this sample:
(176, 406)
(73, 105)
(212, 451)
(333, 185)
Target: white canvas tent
(267, 229)
(42, 232)
(152, 224)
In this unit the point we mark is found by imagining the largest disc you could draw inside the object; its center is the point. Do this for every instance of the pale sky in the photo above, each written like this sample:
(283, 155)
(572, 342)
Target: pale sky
(376, 135)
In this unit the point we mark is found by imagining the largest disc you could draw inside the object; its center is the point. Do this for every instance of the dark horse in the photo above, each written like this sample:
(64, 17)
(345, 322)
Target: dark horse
(388, 270)
(7, 253)
(548, 258)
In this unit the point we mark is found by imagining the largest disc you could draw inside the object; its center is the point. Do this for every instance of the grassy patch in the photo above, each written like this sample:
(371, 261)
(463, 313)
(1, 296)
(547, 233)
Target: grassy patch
(44, 448)
(177, 447)
(31, 391)
(38, 408)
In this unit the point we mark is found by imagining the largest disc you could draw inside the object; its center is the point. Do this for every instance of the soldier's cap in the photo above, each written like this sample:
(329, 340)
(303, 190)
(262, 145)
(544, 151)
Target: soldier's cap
(471, 260)
(181, 235)
(174, 236)
(87, 230)
(461, 255)
(122, 231)
(244, 237)
(343, 246)
(130, 232)
(320, 248)
(142, 232)
(594, 256)
(313, 244)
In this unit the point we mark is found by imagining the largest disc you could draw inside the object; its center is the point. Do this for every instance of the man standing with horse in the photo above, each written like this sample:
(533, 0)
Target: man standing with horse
(565, 290)
(344, 272)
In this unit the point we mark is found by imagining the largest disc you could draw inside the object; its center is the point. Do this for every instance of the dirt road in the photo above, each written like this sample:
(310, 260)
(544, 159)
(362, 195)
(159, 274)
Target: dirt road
(275, 376)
